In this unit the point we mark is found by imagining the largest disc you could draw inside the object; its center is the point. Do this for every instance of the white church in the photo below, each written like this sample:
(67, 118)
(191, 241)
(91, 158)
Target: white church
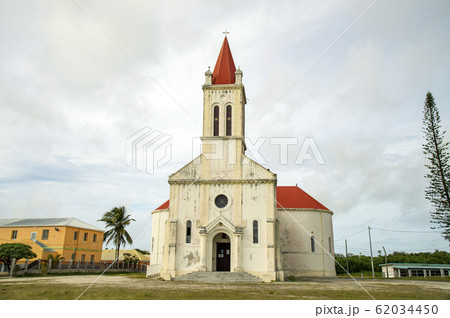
(226, 213)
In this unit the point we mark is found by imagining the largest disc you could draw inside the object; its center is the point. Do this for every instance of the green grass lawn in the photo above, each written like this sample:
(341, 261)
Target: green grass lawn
(160, 290)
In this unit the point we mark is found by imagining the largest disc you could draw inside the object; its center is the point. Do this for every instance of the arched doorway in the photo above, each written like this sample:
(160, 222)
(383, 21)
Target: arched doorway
(221, 252)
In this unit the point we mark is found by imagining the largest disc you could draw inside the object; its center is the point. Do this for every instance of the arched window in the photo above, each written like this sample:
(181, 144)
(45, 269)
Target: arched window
(188, 231)
(228, 120)
(313, 244)
(216, 121)
(255, 232)
(329, 244)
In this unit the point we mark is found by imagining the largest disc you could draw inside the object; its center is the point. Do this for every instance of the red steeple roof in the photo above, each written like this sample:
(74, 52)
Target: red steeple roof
(288, 198)
(224, 69)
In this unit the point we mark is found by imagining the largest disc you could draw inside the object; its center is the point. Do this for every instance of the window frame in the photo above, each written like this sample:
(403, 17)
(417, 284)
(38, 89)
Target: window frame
(75, 235)
(255, 229)
(188, 232)
(46, 231)
(94, 238)
(228, 124)
(216, 121)
(14, 234)
(313, 244)
(85, 237)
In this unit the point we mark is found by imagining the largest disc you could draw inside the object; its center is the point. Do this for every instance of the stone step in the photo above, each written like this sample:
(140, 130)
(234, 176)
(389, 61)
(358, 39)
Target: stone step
(218, 277)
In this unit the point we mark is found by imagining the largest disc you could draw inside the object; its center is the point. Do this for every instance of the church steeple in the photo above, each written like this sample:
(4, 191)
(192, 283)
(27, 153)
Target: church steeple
(224, 100)
(224, 71)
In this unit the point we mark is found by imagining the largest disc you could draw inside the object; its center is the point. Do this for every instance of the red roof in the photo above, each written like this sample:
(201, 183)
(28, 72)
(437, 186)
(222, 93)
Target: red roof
(288, 198)
(163, 206)
(224, 69)
(296, 198)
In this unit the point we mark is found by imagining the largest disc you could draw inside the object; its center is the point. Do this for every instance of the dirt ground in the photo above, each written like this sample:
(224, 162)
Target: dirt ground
(326, 284)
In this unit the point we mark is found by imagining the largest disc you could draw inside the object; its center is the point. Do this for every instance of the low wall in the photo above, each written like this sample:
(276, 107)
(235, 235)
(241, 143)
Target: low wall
(46, 267)
(153, 270)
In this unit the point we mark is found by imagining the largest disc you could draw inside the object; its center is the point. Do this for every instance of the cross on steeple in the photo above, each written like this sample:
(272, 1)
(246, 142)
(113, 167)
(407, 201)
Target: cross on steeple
(225, 32)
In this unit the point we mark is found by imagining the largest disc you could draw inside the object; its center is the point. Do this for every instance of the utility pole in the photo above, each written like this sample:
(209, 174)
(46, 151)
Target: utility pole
(346, 257)
(371, 255)
(385, 261)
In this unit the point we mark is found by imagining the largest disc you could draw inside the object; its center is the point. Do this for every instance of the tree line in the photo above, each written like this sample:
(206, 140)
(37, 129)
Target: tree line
(361, 263)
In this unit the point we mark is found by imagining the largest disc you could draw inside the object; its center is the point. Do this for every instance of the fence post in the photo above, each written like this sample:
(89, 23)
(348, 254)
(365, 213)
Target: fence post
(70, 264)
(26, 265)
(13, 264)
(123, 265)
(78, 264)
(49, 267)
(85, 265)
(39, 264)
(60, 263)
(3, 268)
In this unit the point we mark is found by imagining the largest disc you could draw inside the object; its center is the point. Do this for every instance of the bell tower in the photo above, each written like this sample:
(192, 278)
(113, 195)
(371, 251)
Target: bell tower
(224, 109)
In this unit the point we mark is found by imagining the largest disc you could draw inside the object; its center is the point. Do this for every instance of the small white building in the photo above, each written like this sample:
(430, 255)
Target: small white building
(226, 212)
(393, 270)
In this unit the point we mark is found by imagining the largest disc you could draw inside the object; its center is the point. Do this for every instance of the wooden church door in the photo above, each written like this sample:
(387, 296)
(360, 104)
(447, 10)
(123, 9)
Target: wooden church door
(223, 257)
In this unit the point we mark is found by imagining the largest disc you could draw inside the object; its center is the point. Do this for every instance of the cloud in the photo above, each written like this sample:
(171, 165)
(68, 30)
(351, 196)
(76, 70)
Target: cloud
(70, 97)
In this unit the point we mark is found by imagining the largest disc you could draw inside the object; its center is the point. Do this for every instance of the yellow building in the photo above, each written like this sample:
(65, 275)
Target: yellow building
(68, 237)
(110, 255)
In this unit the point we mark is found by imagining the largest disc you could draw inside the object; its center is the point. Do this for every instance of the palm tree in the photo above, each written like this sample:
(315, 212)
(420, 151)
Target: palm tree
(55, 259)
(116, 221)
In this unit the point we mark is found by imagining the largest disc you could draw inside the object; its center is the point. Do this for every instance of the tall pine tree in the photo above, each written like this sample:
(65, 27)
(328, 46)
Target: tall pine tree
(436, 151)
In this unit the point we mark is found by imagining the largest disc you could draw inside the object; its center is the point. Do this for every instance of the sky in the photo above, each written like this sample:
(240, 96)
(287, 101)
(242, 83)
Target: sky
(79, 78)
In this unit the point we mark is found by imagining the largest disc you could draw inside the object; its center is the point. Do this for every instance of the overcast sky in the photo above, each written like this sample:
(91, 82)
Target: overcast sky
(76, 83)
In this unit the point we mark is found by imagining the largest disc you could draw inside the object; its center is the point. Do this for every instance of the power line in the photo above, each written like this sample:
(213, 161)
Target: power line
(409, 231)
(351, 235)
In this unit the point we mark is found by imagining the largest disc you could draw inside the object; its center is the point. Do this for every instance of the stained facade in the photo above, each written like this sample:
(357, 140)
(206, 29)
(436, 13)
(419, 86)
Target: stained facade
(225, 211)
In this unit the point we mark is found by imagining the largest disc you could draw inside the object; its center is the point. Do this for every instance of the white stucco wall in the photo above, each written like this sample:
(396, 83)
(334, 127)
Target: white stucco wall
(159, 218)
(295, 230)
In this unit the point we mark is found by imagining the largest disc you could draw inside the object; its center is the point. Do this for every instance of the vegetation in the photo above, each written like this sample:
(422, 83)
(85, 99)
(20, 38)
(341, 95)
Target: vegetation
(437, 153)
(143, 251)
(55, 259)
(8, 251)
(116, 221)
(128, 258)
(361, 263)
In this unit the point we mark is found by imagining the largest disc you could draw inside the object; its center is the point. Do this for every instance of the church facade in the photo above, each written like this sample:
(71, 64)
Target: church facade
(226, 212)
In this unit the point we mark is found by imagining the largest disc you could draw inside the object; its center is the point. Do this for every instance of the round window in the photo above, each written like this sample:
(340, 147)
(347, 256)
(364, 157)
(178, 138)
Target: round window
(221, 201)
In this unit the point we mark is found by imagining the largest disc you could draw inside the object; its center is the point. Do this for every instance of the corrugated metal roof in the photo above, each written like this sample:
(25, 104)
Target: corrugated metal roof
(73, 222)
(110, 255)
(417, 265)
(6, 221)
